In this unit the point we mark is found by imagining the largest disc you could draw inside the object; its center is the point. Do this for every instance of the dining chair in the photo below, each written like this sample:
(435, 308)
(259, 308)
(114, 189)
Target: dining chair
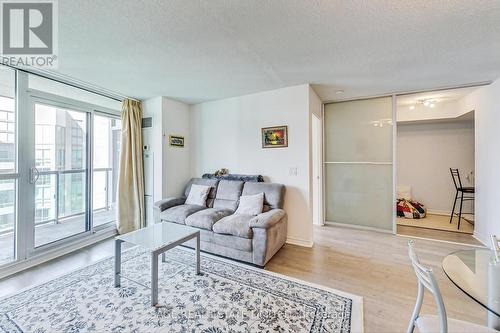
(466, 194)
(431, 323)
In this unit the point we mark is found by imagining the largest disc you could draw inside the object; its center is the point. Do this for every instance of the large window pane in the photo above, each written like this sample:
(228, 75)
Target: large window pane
(7, 121)
(60, 157)
(7, 165)
(107, 136)
(7, 220)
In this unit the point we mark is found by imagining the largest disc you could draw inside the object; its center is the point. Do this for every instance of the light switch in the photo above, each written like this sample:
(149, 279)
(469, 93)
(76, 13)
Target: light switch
(293, 171)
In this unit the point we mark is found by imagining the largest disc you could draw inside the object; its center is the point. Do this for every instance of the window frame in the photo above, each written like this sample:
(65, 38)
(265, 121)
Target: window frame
(25, 218)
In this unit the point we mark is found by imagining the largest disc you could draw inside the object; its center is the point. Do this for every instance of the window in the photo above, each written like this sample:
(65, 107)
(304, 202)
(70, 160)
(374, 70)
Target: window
(107, 132)
(51, 151)
(8, 182)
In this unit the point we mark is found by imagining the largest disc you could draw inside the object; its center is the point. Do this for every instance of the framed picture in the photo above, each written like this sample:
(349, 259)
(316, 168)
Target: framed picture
(176, 141)
(275, 137)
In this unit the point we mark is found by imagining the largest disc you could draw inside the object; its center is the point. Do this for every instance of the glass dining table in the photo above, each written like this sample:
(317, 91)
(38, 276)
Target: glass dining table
(478, 276)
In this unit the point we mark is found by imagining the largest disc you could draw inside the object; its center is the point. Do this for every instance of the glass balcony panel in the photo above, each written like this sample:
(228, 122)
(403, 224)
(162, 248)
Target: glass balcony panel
(7, 220)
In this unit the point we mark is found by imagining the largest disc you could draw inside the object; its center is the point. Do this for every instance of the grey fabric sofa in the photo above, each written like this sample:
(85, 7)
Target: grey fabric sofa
(253, 239)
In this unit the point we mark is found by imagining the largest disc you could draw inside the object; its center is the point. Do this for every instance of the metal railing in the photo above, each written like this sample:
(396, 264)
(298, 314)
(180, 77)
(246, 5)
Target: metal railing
(57, 214)
(57, 218)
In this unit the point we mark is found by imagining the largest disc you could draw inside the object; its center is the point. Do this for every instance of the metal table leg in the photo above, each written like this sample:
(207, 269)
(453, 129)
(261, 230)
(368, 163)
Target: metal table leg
(118, 262)
(154, 278)
(198, 254)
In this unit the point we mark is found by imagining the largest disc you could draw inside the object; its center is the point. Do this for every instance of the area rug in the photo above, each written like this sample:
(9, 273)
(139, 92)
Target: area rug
(226, 297)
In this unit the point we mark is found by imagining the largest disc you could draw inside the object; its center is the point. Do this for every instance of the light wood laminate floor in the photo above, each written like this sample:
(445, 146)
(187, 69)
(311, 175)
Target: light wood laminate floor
(376, 266)
(447, 236)
(369, 264)
(438, 222)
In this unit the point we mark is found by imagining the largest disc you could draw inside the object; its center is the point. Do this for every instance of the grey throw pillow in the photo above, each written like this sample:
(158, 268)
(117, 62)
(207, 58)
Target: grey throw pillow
(198, 195)
(251, 204)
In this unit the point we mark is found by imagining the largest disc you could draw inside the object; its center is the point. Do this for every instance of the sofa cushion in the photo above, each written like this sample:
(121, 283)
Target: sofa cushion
(198, 195)
(179, 213)
(251, 204)
(207, 182)
(237, 243)
(274, 194)
(236, 225)
(228, 193)
(206, 218)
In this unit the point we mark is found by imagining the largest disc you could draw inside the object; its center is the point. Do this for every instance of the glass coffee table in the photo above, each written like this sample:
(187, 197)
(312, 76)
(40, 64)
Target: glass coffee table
(157, 239)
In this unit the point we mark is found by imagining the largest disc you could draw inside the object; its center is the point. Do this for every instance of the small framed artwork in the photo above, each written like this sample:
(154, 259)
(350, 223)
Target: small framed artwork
(176, 141)
(275, 137)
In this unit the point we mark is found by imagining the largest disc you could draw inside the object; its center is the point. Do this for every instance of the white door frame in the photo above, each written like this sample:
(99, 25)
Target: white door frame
(317, 157)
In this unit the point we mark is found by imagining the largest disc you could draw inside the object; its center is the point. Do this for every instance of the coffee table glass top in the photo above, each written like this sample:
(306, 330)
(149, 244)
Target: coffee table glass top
(474, 272)
(158, 235)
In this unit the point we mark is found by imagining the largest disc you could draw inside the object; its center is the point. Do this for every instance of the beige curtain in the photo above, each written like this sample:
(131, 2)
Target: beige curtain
(131, 173)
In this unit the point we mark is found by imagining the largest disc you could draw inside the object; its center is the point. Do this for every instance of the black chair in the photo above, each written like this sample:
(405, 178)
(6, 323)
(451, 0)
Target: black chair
(466, 194)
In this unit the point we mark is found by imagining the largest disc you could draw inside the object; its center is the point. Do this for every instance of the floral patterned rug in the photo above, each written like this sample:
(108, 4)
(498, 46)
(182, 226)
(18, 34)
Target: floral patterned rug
(227, 297)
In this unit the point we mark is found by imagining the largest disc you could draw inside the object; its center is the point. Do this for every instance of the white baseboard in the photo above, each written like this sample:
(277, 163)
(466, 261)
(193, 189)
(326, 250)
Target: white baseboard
(18, 266)
(438, 212)
(358, 227)
(299, 242)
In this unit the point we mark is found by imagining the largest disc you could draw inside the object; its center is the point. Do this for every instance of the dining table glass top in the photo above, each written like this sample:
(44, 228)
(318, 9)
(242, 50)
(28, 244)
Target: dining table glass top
(476, 274)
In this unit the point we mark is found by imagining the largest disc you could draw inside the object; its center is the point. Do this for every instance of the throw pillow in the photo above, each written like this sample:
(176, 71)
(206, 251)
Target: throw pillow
(198, 195)
(251, 204)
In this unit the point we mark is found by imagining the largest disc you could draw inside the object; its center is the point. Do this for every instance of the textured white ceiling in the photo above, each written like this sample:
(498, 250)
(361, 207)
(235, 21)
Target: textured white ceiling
(440, 96)
(210, 49)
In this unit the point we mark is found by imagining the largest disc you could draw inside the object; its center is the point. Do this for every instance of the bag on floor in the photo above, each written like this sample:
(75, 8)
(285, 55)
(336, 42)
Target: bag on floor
(410, 209)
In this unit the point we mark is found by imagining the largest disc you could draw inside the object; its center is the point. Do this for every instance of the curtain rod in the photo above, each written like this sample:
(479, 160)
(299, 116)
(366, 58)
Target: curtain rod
(68, 81)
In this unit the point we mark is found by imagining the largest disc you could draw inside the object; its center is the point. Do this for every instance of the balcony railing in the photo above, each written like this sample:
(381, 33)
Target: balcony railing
(53, 202)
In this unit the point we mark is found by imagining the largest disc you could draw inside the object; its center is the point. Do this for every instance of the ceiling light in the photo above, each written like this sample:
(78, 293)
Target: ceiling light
(430, 103)
(412, 107)
(338, 92)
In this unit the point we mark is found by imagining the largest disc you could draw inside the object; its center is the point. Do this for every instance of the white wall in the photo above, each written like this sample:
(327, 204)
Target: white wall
(446, 110)
(486, 103)
(227, 134)
(425, 154)
(152, 137)
(171, 165)
(176, 160)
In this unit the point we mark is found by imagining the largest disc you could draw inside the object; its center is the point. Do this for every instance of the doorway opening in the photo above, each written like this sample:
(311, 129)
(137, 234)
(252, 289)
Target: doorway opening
(435, 166)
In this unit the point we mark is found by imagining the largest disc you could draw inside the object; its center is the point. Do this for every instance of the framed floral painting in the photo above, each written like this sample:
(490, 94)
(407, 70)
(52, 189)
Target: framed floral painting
(275, 137)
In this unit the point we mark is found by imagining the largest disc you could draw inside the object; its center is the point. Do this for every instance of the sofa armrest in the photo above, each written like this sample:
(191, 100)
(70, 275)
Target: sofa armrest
(168, 203)
(267, 219)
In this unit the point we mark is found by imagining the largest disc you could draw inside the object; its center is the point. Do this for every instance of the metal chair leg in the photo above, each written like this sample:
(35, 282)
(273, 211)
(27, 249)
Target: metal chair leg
(454, 204)
(460, 212)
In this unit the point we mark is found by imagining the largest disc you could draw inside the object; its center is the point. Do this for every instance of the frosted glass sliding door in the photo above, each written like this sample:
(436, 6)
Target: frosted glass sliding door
(358, 163)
